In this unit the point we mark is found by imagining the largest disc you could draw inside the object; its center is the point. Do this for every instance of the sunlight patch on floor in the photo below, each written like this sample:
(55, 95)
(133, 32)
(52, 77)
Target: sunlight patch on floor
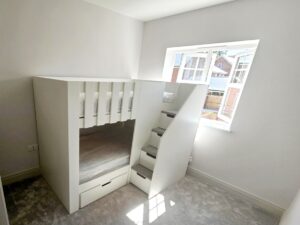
(137, 215)
(157, 207)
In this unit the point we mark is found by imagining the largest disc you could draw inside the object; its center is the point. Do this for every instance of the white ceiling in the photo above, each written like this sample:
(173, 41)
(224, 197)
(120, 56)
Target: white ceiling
(146, 10)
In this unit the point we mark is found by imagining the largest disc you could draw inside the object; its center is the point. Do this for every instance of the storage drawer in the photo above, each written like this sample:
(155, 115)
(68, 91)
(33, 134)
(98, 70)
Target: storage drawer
(103, 179)
(147, 160)
(101, 190)
(140, 181)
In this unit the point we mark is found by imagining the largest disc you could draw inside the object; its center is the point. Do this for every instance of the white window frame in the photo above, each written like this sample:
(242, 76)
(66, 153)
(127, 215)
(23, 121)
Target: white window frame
(239, 86)
(169, 63)
(206, 69)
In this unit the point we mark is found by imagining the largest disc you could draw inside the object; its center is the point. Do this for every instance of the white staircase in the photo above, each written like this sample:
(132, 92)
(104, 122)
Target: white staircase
(166, 125)
(141, 174)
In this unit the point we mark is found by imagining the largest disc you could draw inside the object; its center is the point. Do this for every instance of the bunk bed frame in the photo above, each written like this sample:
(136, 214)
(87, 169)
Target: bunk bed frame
(166, 121)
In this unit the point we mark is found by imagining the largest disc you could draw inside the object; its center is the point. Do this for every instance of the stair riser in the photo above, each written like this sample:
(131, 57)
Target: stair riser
(165, 120)
(140, 181)
(147, 161)
(154, 139)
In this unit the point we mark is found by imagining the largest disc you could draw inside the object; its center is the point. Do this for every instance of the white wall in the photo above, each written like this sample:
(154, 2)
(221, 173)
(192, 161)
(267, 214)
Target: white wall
(54, 37)
(261, 155)
(292, 215)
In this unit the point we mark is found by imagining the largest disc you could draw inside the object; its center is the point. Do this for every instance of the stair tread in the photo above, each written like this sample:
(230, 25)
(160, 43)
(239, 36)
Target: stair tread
(169, 112)
(159, 130)
(152, 150)
(143, 171)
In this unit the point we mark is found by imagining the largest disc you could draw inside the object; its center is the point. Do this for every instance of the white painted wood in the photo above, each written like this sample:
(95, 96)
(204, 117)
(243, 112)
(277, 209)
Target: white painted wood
(90, 90)
(154, 139)
(104, 102)
(51, 103)
(142, 183)
(3, 211)
(86, 79)
(59, 132)
(178, 141)
(81, 122)
(147, 161)
(125, 113)
(135, 99)
(115, 102)
(165, 120)
(82, 100)
(73, 145)
(102, 190)
(103, 179)
(149, 107)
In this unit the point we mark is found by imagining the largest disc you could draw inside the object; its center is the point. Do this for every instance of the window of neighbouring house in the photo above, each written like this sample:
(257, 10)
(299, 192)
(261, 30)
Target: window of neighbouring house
(223, 67)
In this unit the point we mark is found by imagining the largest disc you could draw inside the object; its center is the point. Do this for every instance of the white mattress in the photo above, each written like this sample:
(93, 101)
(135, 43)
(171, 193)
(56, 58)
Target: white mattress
(102, 152)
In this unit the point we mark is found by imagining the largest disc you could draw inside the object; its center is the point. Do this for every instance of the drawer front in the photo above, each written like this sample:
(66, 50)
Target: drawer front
(165, 120)
(102, 190)
(103, 179)
(142, 183)
(147, 161)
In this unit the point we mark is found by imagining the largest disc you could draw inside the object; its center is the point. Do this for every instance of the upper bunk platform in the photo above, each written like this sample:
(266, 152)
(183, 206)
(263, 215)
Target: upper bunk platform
(87, 79)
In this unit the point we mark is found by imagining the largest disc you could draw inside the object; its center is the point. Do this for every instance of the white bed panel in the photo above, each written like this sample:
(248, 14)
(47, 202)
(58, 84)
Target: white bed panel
(134, 100)
(117, 92)
(104, 102)
(125, 112)
(91, 88)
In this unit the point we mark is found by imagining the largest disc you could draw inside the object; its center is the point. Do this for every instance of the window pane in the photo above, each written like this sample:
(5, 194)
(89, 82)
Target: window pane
(190, 62)
(212, 104)
(230, 101)
(201, 63)
(238, 77)
(188, 75)
(199, 75)
(178, 58)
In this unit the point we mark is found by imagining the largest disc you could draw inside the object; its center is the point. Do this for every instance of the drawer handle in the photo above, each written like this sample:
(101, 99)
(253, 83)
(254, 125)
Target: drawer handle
(159, 134)
(141, 175)
(106, 184)
(152, 156)
(171, 116)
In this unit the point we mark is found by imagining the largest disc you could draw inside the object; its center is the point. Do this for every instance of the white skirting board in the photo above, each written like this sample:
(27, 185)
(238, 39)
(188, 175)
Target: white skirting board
(15, 177)
(264, 204)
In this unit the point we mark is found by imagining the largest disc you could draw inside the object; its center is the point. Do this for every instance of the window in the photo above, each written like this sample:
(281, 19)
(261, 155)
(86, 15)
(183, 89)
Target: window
(223, 67)
(194, 67)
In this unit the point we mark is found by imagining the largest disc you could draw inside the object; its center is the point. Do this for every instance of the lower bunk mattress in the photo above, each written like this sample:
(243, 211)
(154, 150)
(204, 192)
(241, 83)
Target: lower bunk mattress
(100, 154)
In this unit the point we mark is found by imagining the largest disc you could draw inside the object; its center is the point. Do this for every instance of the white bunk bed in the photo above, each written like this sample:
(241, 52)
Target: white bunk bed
(96, 135)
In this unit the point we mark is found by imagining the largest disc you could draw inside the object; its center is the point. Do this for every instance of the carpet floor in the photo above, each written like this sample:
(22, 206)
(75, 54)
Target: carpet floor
(189, 202)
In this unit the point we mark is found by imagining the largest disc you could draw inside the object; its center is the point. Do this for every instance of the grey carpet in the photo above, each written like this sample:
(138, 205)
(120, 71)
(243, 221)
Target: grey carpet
(188, 202)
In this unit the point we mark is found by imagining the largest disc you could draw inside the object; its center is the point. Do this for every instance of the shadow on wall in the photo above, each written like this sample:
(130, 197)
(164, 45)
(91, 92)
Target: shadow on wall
(17, 125)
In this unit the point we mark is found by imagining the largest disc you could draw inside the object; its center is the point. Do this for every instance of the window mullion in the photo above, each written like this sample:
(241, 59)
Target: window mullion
(196, 66)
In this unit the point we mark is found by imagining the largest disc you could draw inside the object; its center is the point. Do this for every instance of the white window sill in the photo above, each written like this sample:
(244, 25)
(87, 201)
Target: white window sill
(215, 124)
